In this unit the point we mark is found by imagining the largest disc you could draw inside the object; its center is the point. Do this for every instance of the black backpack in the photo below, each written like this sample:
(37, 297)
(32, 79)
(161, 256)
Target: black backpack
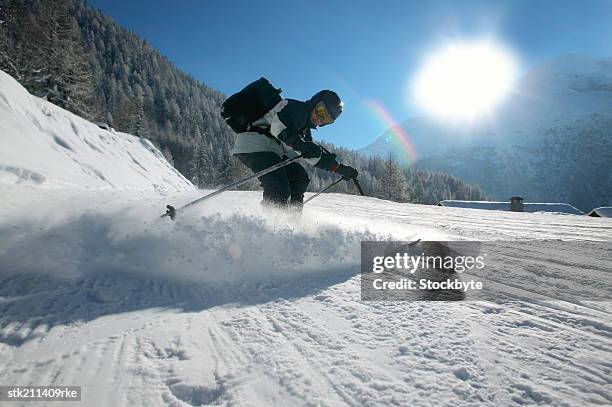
(243, 108)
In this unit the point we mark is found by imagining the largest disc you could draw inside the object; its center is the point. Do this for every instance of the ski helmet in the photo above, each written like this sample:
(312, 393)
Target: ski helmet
(332, 102)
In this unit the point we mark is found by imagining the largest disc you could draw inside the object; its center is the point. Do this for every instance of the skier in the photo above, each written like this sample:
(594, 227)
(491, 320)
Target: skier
(283, 133)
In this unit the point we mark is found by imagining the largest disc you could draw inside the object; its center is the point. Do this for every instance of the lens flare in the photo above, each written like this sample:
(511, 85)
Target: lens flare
(465, 81)
(399, 136)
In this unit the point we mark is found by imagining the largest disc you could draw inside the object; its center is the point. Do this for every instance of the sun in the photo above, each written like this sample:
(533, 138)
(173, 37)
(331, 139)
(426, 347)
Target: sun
(464, 81)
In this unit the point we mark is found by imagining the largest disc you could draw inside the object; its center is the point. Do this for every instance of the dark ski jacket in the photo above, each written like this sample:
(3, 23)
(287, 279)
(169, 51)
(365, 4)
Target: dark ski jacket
(288, 122)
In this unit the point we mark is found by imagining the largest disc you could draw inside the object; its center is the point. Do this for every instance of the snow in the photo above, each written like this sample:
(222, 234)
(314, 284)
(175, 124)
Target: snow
(42, 144)
(559, 208)
(231, 304)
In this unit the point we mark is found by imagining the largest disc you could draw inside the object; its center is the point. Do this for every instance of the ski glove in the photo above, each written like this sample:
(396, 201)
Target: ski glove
(327, 161)
(346, 172)
(308, 148)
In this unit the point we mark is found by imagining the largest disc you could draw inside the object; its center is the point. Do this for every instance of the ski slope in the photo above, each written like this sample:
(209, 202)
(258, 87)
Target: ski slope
(234, 305)
(230, 305)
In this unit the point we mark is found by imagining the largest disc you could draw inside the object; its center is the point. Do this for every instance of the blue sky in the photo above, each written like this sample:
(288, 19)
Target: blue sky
(364, 50)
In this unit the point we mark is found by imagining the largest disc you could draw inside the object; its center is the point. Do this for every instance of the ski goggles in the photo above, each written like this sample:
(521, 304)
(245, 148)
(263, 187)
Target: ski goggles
(322, 113)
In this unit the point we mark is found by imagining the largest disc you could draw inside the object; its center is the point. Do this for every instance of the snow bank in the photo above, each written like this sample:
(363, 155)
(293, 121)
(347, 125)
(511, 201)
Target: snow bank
(45, 145)
(561, 208)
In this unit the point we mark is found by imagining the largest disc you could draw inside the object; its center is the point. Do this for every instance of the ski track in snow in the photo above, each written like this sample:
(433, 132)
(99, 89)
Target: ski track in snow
(190, 328)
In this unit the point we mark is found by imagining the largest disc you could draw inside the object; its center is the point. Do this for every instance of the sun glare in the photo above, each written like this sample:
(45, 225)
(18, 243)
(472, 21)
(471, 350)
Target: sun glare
(464, 81)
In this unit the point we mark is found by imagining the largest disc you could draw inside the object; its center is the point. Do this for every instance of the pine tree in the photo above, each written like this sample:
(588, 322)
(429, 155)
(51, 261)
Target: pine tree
(23, 50)
(392, 185)
(203, 170)
(168, 155)
(7, 19)
(231, 170)
(140, 123)
(70, 80)
(41, 46)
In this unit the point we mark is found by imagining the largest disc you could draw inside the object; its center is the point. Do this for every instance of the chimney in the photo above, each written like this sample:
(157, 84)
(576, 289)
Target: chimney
(516, 204)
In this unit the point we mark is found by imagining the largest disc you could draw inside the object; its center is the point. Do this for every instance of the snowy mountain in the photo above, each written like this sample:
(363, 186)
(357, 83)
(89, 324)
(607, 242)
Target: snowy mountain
(566, 102)
(44, 145)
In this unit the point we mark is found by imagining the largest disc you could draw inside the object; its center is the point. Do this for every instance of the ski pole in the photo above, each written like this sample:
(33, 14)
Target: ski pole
(171, 211)
(331, 185)
(323, 190)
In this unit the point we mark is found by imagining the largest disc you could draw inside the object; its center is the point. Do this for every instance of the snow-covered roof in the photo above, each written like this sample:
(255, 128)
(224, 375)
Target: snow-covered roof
(602, 212)
(505, 206)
